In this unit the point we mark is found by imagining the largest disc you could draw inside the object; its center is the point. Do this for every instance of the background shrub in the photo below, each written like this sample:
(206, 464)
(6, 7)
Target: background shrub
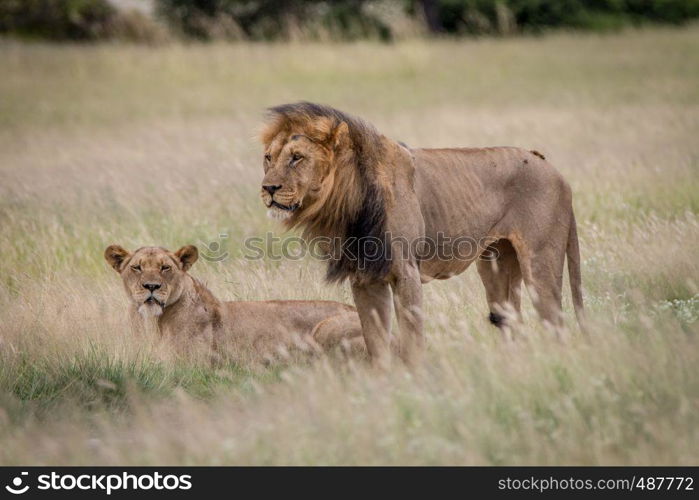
(80, 20)
(506, 16)
(272, 19)
(57, 19)
(327, 19)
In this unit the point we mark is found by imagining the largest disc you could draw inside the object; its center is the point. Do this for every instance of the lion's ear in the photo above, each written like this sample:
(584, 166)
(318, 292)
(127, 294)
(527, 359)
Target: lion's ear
(341, 137)
(187, 255)
(116, 255)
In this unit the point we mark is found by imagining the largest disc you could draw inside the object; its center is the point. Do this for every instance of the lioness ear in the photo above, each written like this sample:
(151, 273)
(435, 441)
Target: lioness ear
(341, 137)
(188, 255)
(116, 255)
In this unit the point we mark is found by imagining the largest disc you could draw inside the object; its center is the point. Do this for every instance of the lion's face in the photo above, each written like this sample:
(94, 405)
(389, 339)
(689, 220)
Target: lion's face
(294, 166)
(153, 277)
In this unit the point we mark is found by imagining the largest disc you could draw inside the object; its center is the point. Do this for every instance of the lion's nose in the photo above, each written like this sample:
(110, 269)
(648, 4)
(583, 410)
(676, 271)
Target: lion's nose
(151, 286)
(271, 189)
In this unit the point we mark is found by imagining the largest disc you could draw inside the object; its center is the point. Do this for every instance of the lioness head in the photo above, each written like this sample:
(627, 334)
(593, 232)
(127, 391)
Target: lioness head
(153, 276)
(300, 159)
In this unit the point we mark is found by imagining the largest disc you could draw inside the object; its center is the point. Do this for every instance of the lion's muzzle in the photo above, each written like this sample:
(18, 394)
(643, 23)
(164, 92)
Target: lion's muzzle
(284, 201)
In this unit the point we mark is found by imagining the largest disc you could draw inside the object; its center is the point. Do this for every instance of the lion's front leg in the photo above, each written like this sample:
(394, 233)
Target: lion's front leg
(373, 301)
(407, 298)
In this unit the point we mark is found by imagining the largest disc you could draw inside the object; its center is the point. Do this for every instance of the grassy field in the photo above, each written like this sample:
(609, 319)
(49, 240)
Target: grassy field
(134, 145)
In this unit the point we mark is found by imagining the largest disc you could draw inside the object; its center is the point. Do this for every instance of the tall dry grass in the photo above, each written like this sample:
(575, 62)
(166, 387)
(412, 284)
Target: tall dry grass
(133, 145)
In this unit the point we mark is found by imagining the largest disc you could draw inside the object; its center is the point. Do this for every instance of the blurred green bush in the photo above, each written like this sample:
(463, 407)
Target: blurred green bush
(76, 20)
(508, 16)
(343, 19)
(327, 19)
(273, 19)
(56, 19)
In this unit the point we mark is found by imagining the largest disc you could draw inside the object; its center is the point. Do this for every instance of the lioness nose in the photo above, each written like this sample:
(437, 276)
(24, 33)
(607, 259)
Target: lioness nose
(271, 189)
(151, 286)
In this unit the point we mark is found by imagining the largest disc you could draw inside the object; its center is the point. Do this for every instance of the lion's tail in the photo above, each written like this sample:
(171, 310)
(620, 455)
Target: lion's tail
(573, 254)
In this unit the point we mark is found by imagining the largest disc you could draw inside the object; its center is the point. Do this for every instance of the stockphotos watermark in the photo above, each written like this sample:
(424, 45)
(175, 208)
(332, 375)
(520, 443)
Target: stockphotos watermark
(104, 483)
(359, 249)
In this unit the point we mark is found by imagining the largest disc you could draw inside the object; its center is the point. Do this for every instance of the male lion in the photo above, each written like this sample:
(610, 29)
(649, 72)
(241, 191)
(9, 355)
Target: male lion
(159, 286)
(338, 178)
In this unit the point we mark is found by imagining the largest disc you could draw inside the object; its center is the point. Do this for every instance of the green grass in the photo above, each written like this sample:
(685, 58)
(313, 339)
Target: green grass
(95, 379)
(134, 145)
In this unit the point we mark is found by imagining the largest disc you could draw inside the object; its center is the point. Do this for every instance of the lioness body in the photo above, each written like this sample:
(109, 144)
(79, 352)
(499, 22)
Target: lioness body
(335, 176)
(259, 324)
(183, 309)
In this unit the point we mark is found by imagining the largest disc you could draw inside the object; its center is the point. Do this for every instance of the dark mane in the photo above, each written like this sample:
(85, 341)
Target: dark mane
(367, 222)
(366, 230)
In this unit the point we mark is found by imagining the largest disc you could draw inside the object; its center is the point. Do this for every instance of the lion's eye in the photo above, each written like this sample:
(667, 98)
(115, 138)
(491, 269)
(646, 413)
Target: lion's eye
(136, 268)
(164, 268)
(268, 157)
(295, 158)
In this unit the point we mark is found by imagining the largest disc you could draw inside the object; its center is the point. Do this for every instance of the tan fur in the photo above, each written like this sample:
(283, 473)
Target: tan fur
(354, 181)
(187, 312)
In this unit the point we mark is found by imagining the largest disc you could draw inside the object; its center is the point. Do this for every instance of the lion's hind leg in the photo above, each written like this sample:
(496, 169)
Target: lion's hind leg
(341, 330)
(500, 272)
(543, 276)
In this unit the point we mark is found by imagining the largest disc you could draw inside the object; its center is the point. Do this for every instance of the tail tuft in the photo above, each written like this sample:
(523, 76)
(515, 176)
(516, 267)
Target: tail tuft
(496, 319)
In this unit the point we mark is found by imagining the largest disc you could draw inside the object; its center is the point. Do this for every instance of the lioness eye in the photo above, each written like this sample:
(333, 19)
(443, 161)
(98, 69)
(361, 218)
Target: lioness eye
(165, 268)
(296, 157)
(136, 268)
(268, 157)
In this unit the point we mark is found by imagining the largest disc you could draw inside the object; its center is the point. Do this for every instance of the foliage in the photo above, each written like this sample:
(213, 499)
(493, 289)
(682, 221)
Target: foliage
(56, 19)
(272, 19)
(80, 20)
(506, 16)
(327, 19)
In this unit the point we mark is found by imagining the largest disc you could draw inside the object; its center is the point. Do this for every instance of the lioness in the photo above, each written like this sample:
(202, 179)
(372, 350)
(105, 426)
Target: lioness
(338, 178)
(159, 286)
